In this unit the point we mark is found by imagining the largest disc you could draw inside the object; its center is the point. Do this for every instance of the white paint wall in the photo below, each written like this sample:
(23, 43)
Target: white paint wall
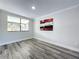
(10, 37)
(66, 29)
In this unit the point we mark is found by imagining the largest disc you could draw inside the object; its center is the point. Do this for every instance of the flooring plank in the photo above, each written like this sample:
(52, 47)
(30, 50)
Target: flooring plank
(35, 49)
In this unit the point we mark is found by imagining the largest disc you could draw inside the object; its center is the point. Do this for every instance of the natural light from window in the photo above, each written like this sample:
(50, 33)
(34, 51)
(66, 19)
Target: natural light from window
(17, 24)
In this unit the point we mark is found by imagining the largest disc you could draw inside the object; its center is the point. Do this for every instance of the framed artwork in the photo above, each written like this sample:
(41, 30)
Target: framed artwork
(46, 24)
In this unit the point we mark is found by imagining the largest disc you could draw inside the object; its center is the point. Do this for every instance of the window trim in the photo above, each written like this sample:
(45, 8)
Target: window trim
(17, 23)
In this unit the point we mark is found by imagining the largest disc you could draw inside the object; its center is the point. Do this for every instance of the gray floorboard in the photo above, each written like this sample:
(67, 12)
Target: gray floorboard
(35, 49)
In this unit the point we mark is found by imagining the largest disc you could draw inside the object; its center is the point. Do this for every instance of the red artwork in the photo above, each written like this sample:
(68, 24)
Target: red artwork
(46, 24)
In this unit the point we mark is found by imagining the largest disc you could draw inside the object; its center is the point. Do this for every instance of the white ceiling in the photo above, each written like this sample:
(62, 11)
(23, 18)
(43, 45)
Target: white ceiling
(43, 7)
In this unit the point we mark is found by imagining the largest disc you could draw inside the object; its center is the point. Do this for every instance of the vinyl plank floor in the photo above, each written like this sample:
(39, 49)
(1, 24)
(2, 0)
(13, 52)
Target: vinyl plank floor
(35, 49)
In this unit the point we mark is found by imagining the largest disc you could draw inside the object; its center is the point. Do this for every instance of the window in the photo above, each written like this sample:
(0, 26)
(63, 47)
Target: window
(13, 23)
(17, 24)
(24, 25)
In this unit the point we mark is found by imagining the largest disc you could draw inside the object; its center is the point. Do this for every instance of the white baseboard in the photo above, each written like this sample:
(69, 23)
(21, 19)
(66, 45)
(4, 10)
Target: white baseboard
(43, 39)
(15, 41)
(64, 46)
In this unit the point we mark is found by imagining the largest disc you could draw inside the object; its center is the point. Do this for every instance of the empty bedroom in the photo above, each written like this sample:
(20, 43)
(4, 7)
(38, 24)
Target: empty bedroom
(39, 29)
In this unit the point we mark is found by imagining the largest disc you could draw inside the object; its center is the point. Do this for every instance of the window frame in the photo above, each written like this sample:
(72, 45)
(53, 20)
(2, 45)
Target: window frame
(20, 30)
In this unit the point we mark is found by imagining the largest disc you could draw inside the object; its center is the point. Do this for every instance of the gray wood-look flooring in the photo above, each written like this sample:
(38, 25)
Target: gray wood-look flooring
(35, 49)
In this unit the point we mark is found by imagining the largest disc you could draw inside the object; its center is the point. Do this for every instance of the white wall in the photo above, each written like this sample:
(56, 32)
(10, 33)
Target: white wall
(9, 37)
(66, 29)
